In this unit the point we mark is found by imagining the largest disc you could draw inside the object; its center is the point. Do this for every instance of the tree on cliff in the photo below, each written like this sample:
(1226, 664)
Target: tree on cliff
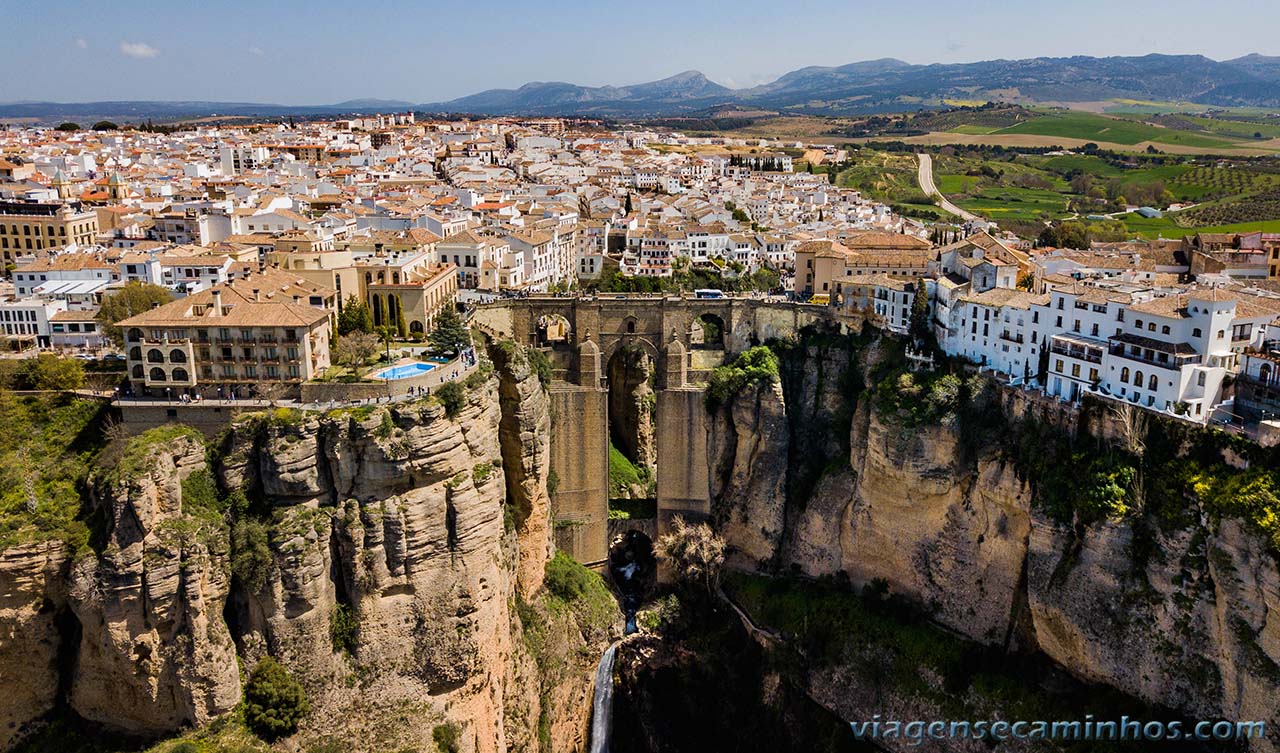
(919, 326)
(695, 555)
(450, 335)
(354, 317)
(132, 299)
(274, 702)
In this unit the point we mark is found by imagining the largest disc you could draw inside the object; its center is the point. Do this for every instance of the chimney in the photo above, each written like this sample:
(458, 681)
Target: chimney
(297, 299)
(217, 302)
(257, 294)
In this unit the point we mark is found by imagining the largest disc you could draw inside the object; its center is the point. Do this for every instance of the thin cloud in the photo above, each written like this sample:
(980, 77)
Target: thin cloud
(256, 51)
(82, 43)
(140, 50)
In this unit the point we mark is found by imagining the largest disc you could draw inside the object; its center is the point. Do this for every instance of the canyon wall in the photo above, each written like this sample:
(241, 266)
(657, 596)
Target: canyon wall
(1193, 624)
(393, 545)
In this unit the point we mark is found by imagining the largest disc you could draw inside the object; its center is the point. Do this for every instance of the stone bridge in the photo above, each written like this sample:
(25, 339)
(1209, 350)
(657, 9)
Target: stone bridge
(683, 338)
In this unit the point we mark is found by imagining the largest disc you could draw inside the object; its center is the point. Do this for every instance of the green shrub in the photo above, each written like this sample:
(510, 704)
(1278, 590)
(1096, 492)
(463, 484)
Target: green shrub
(481, 472)
(343, 626)
(1252, 495)
(251, 557)
(755, 366)
(623, 474)
(540, 365)
(446, 737)
(200, 495)
(572, 586)
(453, 397)
(385, 427)
(274, 702)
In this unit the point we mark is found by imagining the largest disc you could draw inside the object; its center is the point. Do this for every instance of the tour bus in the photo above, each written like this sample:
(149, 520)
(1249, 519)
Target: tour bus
(708, 293)
(821, 299)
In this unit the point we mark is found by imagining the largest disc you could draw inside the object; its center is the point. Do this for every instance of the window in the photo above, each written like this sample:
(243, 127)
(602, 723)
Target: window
(155, 356)
(1200, 379)
(1058, 367)
(1164, 330)
(1151, 326)
(1154, 383)
(1137, 379)
(1124, 374)
(1196, 332)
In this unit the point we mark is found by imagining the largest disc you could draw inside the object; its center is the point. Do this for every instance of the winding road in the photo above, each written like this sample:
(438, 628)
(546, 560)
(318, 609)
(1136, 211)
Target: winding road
(925, 177)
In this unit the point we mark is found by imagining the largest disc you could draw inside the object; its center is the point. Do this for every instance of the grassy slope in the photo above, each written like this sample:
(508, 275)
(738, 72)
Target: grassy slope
(48, 445)
(1085, 125)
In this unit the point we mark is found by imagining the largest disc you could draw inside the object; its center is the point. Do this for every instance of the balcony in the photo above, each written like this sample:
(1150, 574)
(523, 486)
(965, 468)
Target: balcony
(1012, 337)
(1078, 347)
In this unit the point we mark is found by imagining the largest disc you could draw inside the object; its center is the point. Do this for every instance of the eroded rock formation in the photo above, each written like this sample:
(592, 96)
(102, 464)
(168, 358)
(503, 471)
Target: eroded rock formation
(414, 532)
(1195, 626)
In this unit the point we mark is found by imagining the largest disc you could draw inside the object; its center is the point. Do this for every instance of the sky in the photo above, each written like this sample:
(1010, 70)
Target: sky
(324, 51)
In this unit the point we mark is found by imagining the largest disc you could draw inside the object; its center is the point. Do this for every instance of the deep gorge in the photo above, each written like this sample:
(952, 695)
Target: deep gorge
(842, 486)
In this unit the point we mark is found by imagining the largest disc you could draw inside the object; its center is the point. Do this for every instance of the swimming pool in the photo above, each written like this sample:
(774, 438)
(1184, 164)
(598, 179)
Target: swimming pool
(404, 371)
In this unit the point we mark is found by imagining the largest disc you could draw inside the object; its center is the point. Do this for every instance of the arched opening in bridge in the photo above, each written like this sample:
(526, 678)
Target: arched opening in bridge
(552, 328)
(633, 455)
(634, 570)
(707, 332)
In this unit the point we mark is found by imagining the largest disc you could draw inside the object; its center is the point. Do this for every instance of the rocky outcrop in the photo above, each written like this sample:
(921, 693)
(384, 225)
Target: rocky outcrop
(747, 449)
(1193, 626)
(395, 517)
(396, 541)
(524, 437)
(154, 654)
(30, 636)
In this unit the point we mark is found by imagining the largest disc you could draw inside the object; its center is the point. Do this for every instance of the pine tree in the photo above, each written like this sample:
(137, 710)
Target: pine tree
(450, 335)
(627, 207)
(354, 317)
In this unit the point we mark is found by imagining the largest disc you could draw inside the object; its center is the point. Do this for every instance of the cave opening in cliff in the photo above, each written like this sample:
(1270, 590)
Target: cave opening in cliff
(633, 455)
(69, 631)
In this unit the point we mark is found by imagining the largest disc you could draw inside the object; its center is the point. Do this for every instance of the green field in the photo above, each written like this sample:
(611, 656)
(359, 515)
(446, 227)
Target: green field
(1024, 190)
(1092, 127)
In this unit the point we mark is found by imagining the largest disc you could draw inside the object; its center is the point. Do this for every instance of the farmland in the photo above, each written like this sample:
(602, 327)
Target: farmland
(1022, 191)
(1093, 127)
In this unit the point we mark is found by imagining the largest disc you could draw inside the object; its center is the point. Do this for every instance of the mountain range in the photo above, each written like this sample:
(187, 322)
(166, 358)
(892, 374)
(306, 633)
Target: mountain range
(884, 85)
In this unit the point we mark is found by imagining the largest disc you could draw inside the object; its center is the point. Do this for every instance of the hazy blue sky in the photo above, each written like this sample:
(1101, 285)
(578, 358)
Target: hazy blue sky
(322, 51)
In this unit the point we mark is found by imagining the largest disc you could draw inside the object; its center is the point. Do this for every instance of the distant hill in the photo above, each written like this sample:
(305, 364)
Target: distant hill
(667, 95)
(873, 86)
(889, 85)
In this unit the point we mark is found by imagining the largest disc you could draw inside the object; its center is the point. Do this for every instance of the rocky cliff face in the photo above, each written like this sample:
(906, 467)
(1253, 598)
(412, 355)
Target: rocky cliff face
(1194, 627)
(412, 532)
(154, 653)
(30, 640)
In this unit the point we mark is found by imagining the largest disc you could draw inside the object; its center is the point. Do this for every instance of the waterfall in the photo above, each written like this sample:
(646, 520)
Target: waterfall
(602, 704)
